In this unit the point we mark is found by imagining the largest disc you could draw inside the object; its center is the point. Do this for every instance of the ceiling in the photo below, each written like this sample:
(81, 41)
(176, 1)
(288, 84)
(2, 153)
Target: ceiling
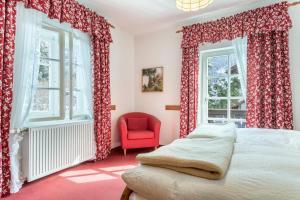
(141, 16)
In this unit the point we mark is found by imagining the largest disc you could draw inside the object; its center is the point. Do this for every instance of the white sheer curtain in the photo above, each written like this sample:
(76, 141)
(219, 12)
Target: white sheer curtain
(25, 74)
(84, 53)
(240, 48)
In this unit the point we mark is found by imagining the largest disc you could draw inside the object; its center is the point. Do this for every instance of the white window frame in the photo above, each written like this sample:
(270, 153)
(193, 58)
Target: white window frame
(203, 87)
(72, 88)
(39, 116)
(36, 116)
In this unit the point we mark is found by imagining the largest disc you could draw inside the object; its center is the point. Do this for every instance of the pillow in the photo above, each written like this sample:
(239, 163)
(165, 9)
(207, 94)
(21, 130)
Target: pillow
(137, 124)
(214, 131)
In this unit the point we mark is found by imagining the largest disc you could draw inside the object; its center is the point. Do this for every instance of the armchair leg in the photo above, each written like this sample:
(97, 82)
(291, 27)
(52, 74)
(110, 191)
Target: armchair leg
(155, 148)
(124, 150)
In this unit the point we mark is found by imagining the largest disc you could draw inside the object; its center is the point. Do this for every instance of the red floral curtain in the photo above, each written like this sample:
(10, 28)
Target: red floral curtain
(260, 20)
(81, 18)
(7, 47)
(102, 100)
(70, 11)
(189, 90)
(269, 101)
(256, 24)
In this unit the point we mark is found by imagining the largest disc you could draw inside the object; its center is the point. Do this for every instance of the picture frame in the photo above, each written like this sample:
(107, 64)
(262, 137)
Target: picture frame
(152, 79)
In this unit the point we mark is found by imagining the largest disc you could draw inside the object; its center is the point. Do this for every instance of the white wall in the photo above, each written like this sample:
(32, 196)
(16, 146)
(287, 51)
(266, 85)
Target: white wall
(162, 48)
(122, 78)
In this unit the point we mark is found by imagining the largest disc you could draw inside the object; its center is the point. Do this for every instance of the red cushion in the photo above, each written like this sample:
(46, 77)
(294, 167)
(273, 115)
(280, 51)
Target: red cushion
(137, 123)
(135, 135)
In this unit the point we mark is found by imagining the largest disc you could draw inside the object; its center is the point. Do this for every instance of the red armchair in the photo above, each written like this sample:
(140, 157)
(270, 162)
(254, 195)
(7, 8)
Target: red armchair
(139, 130)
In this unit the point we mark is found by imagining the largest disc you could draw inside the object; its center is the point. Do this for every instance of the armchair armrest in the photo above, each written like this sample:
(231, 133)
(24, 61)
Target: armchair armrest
(154, 125)
(123, 130)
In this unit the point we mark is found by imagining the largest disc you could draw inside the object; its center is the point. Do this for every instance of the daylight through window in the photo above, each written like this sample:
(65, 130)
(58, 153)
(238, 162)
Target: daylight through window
(61, 81)
(223, 99)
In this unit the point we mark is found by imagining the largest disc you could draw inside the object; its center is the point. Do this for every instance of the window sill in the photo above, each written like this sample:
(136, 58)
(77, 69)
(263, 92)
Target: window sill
(56, 123)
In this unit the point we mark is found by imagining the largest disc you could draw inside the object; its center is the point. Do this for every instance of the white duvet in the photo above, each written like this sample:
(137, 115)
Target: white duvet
(265, 166)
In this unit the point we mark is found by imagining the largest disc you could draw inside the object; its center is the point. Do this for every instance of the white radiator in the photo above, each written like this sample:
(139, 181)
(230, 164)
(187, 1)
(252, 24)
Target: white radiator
(46, 150)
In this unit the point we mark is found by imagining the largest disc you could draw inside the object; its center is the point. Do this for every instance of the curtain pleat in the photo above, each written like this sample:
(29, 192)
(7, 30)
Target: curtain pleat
(189, 90)
(261, 20)
(7, 47)
(102, 98)
(269, 98)
(26, 68)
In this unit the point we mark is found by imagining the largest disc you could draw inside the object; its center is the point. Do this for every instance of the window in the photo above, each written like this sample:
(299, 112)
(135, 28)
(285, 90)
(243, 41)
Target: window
(60, 86)
(222, 96)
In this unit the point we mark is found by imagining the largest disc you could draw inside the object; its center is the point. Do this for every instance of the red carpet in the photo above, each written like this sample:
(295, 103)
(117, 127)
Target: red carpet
(89, 181)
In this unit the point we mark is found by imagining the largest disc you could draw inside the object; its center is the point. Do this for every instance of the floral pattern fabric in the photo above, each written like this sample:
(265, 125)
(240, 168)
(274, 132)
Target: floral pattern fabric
(189, 90)
(260, 20)
(269, 103)
(102, 110)
(7, 47)
(72, 12)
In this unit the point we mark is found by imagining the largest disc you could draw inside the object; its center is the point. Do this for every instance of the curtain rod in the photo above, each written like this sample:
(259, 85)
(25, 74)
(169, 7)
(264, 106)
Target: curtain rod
(289, 5)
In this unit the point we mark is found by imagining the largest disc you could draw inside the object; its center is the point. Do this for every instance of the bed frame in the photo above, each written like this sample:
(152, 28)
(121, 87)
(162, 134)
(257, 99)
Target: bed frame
(126, 194)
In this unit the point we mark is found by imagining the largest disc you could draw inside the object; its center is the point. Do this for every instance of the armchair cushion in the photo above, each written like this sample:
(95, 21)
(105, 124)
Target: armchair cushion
(136, 135)
(137, 124)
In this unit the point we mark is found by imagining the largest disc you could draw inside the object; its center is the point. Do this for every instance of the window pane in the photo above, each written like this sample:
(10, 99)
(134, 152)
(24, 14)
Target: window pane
(218, 87)
(41, 101)
(49, 44)
(217, 108)
(78, 102)
(233, 65)
(49, 75)
(67, 102)
(217, 121)
(77, 55)
(238, 109)
(44, 49)
(67, 46)
(67, 75)
(43, 79)
(46, 103)
(78, 80)
(235, 87)
(218, 65)
(75, 77)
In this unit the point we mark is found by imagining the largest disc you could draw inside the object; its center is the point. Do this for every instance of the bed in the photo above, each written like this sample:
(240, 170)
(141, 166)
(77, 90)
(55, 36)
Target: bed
(265, 165)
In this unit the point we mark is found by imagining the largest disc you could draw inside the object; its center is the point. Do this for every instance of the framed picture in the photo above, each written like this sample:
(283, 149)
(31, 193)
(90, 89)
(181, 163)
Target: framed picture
(152, 79)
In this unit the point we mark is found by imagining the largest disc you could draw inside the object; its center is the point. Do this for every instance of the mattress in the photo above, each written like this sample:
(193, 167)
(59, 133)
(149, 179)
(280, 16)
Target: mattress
(265, 166)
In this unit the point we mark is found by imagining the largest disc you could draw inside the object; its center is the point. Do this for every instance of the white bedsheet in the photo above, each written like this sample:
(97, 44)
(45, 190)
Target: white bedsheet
(135, 196)
(265, 166)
